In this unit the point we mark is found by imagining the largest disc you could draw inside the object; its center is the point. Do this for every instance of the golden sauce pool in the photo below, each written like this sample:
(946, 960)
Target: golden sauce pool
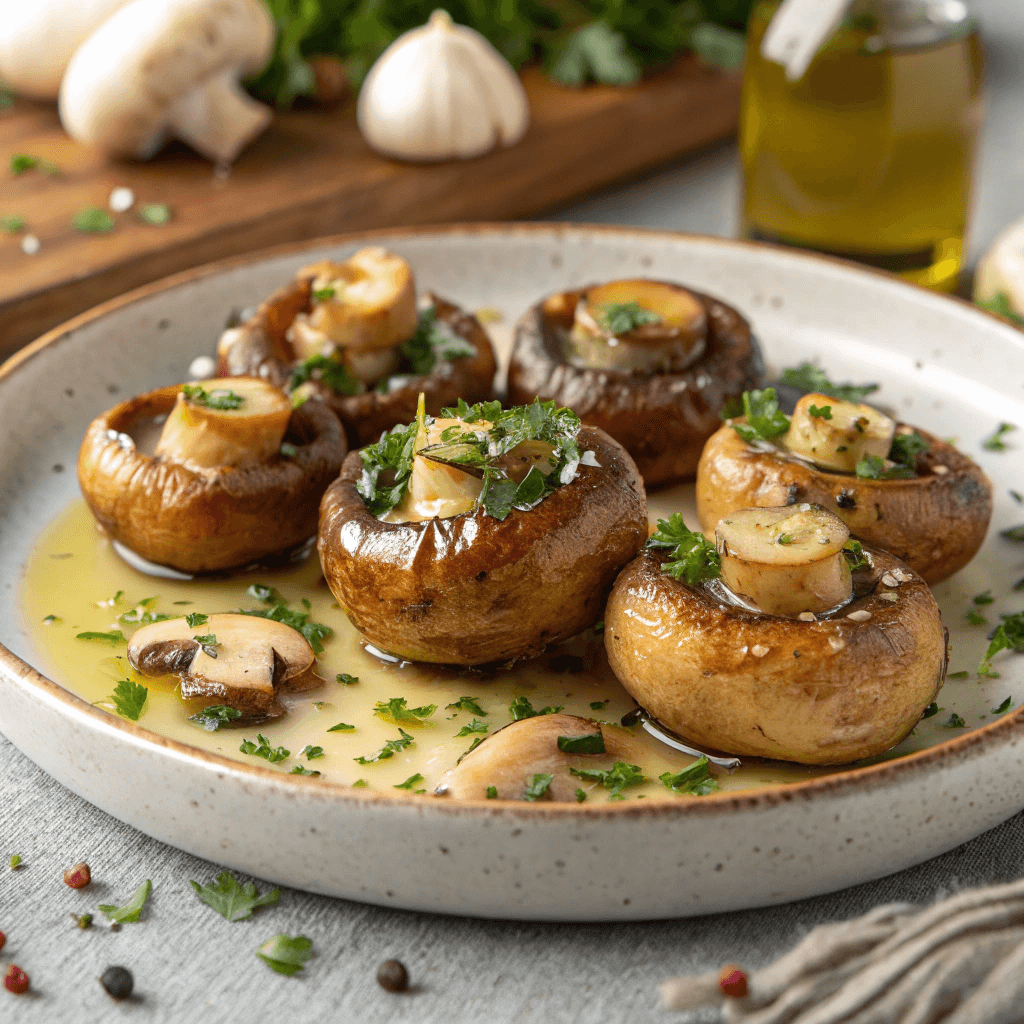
(75, 583)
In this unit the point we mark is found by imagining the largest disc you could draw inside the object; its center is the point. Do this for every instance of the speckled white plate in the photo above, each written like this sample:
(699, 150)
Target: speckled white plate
(944, 365)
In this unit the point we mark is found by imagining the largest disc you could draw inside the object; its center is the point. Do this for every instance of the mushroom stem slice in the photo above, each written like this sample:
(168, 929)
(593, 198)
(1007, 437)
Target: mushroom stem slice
(837, 435)
(219, 119)
(637, 325)
(225, 422)
(786, 561)
(256, 660)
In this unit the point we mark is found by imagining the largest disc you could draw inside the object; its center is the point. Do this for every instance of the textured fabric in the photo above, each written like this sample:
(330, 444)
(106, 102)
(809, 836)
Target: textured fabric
(192, 965)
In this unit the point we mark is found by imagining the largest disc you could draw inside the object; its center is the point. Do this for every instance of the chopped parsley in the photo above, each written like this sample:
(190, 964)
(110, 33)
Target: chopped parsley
(906, 448)
(824, 413)
(623, 317)
(395, 710)
(386, 469)
(958, 675)
(220, 399)
(954, 722)
(93, 221)
(785, 538)
(341, 727)
(155, 214)
(617, 778)
(809, 378)
(765, 421)
(985, 598)
(434, 342)
(131, 912)
(196, 619)
(288, 450)
(345, 679)
(15, 862)
(598, 705)
(995, 442)
(592, 743)
(411, 782)
(129, 699)
(299, 770)
(115, 637)
(931, 710)
(475, 726)
(141, 615)
(233, 900)
(311, 753)
(537, 788)
(328, 371)
(976, 618)
(209, 644)
(388, 750)
(692, 557)
(581, 795)
(52, 620)
(264, 749)
(314, 632)
(285, 954)
(12, 225)
(467, 704)
(696, 780)
(492, 792)
(1014, 533)
(22, 162)
(323, 294)
(1008, 635)
(1000, 305)
(521, 708)
(268, 595)
(873, 467)
(216, 715)
(1004, 707)
(360, 782)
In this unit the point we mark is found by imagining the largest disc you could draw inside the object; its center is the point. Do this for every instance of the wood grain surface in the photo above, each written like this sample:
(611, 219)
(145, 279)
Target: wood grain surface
(311, 174)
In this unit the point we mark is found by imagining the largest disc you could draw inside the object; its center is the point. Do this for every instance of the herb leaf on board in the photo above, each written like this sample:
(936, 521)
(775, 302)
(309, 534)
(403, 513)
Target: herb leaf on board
(233, 900)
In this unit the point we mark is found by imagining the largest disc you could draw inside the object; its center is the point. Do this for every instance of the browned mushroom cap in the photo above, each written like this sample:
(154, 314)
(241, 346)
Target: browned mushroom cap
(662, 419)
(199, 519)
(849, 685)
(934, 522)
(260, 348)
(509, 758)
(472, 589)
(249, 665)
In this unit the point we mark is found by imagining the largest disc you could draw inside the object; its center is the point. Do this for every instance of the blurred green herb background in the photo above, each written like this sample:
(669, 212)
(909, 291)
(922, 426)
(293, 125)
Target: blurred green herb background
(576, 41)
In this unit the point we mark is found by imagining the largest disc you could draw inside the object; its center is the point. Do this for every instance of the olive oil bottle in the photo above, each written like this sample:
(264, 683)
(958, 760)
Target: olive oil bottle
(869, 155)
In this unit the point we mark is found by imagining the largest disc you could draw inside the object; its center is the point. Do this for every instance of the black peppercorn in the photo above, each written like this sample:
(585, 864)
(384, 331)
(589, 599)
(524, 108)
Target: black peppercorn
(118, 982)
(393, 976)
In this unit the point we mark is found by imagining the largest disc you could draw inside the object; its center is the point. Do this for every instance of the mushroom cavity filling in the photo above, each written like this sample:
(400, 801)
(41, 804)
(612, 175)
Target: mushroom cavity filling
(896, 487)
(650, 362)
(238, 661)
(483, 535)
(354, 335)
(211, 476)
(783, 640)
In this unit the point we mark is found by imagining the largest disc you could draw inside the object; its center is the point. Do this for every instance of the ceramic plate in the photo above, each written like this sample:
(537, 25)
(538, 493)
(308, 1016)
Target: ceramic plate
(943, 365)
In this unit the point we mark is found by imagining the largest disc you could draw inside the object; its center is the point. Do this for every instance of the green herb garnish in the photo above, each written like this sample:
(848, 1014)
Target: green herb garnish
(930, 711)
(692, 557)
(1000, 305)
(93, 221)
(52, 620)
(114, 637)
(1008, 635)
(328, 371)
(314, 632)
(268, 595)
(263, 749)
(341, 727)
(311, 753)
(411, 782)
(1004, 707)
(15, 862)
(1014, 533)
(906, 448)
(129, 699)
(598, 705)
(765, 421)
(521, 708)
(475, 726)
(623, 317)
(954, 722)
(22, 162)
(195, 619)
(360, 782)
(345, 679)
(492, 792)
(467, 704)
(824, 413)
(695, 780)
(958, 675)
(300, 770)
(155, 214)
(220, 399)
(395, 710)
(233, 900)
(434, 342)
(592, 743)
(12, 225)
(872, 467)
(214, 716)
(976, 618)
(809, 378)
(617, 778)
(285, 954)
(209, 644)
(323, 294)
(538, 786)
(995, 442)
(129, 913)
(388, 750)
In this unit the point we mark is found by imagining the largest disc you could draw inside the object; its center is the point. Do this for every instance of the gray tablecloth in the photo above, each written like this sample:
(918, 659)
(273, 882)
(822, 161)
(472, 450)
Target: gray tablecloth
(192, 965)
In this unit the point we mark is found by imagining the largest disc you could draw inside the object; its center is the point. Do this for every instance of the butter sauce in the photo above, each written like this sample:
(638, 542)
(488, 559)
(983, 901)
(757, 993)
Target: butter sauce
(73, 572)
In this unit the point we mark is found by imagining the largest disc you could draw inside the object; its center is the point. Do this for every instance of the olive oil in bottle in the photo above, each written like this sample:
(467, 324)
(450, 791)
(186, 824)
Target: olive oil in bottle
(868, 155)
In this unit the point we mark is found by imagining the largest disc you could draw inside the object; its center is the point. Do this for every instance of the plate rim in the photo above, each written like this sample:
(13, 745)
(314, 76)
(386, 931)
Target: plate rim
(19, 672)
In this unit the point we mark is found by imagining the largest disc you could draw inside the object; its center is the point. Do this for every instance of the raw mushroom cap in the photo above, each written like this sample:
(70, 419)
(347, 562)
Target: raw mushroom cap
(257, 660)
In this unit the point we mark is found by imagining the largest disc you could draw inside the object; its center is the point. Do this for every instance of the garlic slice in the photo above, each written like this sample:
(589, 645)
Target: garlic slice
(441, 92)
(836, 434)
(788, 561)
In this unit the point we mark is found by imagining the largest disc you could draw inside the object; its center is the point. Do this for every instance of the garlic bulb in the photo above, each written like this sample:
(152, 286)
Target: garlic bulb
(1001, 270)
(441, 92)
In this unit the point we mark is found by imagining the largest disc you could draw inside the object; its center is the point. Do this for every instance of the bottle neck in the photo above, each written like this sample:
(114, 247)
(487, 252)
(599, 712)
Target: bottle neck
(903, 24)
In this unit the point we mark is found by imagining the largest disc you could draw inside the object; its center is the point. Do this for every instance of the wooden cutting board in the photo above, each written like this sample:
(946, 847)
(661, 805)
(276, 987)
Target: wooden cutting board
(311, 174)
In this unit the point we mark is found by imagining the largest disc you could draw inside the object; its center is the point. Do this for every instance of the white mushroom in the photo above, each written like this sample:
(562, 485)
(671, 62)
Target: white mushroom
(247, 664)
(38, 39)
(161, 69)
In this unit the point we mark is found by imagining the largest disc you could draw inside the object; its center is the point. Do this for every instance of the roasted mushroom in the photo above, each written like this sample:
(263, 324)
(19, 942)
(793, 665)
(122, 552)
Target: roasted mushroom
(212, 476)
(242, 661)
(483, 536)
(788, 642)
(651, 363)
(508, 761)
(350, 334)
(897, 487)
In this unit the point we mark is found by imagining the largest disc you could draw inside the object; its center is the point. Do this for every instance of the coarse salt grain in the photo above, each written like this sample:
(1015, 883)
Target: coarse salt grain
(902, 575)
(758, 651)
(837, 643)
(30, 245)
(807, 617)
(940, 470)
(121, 200)
(859, 616)
(890, 581)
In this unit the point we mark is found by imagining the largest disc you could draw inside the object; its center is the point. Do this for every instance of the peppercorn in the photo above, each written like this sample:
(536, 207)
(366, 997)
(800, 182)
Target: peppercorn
(78, 877)
(732, 981)
(16, 980)
(393, 976)
(118, 982)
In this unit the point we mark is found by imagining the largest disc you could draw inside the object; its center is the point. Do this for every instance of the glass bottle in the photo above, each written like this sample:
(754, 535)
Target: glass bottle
(869, 155)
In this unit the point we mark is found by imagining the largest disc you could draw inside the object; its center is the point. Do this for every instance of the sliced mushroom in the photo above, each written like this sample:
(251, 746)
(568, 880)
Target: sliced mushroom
(251, 663)
(935, 522)
(203, 518)
(226, 422)
(509, 758)
(837, 435)
(661, 417)
(849, 684)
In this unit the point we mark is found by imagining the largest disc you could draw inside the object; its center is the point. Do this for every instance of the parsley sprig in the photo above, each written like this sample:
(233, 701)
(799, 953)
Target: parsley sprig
(220, 399)
(809, 378)
(233, 900)
(129, 699)
(263, 749)
(216, 715)
(521, 708)
(396, 710)
(434, 342)
(617, 778)
(1008, 635)
(389, 749)
(693, 558)
(765, 421)
(623, 317)
(132, 910)
(696, 780)
(331, 372)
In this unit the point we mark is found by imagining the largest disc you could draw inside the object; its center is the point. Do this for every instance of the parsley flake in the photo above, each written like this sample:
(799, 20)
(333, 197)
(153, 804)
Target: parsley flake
(592, 743)
(1014, 533)
(623, 317)
(598, 705)
(1004, 707)
(220, 399)
(93, 221)
(954, 722)
(196, 619)
(976, 618)
(155, 214)
(854, 552)
(492, 792)
(467, 704)
(617, 778)
(995, 442)
(537, 788)
(345, 679)
(129, 699)
(285, 954)
(824, 413)
(873, 467)
(985, 598)
(209, 644)
(263, 749)
(809, 378)
(1008, 635)
(329, 372)
(434, 341)
(521, 708)
(389, 749)
(12, 225)
(765, 421)
(299, 770)
(395, 710)
(906, 448)
(15, 862)
(52, 620)
(958, 675)
(214, 716)
(930, 711)
(475, 726)
(360, 782)
(341, 727)
(22, 162)
(268, 595)
(115, 637)
(311, 753)
(129, 913)
(696, 780)
(581, 795)
(692, 557)
(411, 782)
(233, 900)
(314, 632)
